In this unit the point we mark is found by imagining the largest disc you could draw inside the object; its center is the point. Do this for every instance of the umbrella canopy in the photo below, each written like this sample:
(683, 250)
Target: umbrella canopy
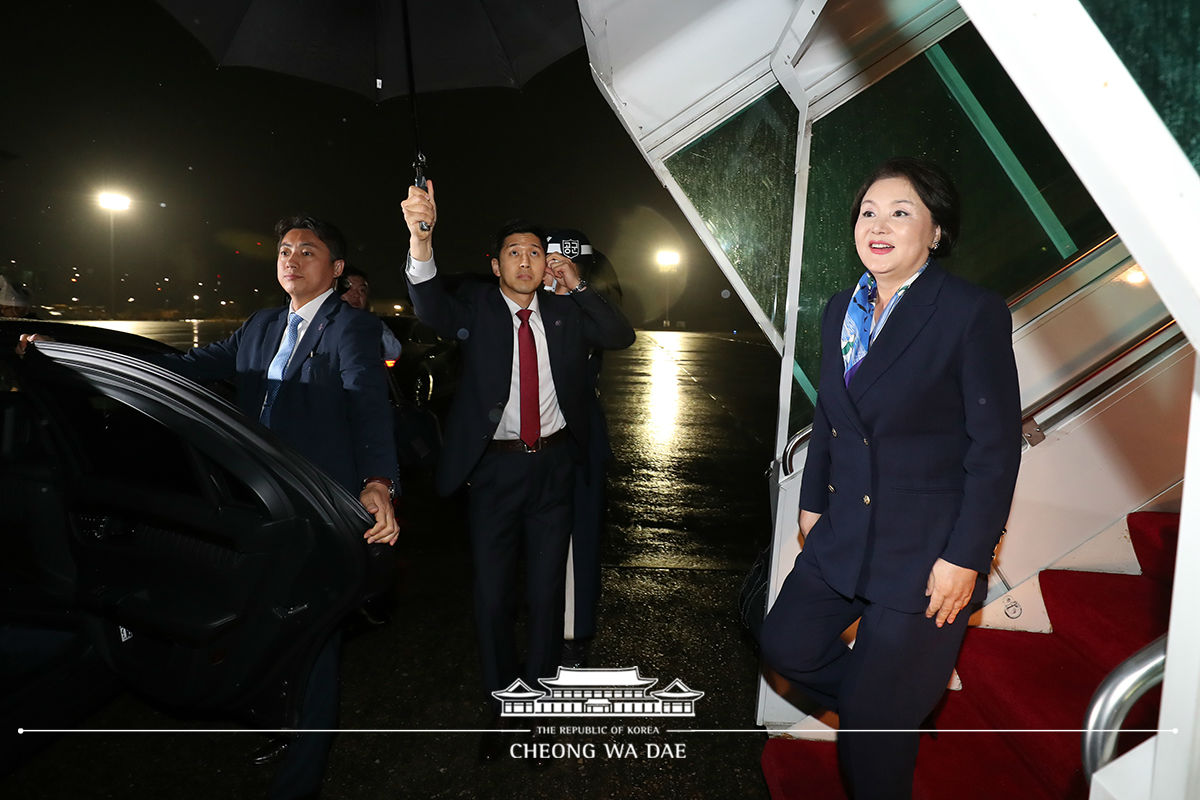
(361, 44)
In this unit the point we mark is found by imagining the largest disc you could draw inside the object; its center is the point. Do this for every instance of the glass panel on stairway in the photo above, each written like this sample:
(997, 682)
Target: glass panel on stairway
(741, 178)
(1025, 213)
(1157, 43)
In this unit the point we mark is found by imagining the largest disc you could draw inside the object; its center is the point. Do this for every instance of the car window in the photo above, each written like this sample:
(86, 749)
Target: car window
(423, 334)
(401, 326)
(120, 443)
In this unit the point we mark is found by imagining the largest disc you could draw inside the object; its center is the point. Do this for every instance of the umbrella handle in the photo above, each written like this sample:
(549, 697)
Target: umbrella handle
(419, 179)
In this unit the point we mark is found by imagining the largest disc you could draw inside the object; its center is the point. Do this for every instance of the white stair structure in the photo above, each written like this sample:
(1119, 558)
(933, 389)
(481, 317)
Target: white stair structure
(1106, 363)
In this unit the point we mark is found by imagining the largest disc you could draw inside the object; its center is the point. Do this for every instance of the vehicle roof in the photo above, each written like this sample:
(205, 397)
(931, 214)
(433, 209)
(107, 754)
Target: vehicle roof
(80, 333)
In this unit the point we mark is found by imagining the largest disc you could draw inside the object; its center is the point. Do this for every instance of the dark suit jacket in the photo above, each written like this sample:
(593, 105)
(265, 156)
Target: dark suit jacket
(478, 318)
(918, 457)
(332, 405)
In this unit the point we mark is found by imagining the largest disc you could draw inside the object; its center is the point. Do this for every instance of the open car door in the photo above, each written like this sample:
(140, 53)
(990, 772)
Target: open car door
(206, 561)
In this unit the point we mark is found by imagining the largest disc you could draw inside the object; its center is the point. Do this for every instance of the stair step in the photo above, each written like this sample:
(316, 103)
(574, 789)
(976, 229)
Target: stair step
(801, 769)
(1022, 681)
(981, 765)
(984, 764)
(1013, 680)
(1105, 617)
(1155, 536)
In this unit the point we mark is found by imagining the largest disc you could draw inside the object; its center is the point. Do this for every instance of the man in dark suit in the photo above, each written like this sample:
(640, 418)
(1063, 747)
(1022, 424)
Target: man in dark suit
(313, 372)
(518, 423)
(583, 561)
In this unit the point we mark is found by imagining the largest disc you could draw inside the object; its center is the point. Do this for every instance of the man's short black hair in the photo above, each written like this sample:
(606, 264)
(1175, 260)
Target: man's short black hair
(519, 226)
(327, 232)
(352, 271)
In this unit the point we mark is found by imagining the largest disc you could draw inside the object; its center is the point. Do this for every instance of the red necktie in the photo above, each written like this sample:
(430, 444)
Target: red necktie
(531, 414)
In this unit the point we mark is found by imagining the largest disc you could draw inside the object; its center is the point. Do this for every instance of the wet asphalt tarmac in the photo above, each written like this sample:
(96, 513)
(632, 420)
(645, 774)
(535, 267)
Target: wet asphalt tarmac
(691, 420)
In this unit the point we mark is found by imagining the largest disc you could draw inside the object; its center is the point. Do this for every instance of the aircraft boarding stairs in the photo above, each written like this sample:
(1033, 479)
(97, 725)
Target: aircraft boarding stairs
(1083, 576)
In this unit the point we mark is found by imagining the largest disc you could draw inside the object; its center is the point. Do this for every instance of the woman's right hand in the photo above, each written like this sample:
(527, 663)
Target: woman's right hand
(807, 520)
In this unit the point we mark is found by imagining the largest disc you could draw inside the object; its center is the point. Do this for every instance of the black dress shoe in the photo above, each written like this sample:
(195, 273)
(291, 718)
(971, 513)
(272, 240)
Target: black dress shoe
(491, 747)
(537, 763)
(273, 750)
(374, 618)
(575, 653)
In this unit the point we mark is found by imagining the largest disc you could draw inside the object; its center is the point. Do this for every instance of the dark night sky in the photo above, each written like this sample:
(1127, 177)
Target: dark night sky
(106, 93)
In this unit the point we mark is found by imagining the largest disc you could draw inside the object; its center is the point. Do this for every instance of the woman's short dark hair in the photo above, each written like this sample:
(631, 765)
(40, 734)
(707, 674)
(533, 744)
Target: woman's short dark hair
(327, 232)
(933, 186)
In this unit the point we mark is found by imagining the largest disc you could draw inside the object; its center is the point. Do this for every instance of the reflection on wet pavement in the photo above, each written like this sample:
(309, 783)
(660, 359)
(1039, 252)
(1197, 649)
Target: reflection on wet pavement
(691, 420)
(691, 417)
(658, 432)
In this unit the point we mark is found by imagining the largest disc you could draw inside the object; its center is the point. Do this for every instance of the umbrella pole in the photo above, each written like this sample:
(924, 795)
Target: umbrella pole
(419, 161)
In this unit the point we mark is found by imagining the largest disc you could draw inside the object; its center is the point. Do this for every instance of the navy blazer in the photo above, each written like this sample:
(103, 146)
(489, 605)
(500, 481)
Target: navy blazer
(917, 459)
(479, 319)
(332, 405)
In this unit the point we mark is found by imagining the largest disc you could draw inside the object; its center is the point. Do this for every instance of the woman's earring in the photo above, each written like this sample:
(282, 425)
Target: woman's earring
(935, 245)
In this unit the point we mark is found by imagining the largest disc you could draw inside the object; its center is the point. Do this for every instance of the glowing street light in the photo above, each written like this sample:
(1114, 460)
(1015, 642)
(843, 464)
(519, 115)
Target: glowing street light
(112, 202)
(668, 263)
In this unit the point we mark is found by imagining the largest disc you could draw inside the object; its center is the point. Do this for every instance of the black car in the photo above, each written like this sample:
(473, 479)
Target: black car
(427, 370)
(154, 537)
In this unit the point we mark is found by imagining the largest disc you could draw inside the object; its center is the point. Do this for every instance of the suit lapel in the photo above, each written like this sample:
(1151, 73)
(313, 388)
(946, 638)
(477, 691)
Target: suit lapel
(832, 343)
(552, 322)
(905, 322)
(272, 338)
(503, 321)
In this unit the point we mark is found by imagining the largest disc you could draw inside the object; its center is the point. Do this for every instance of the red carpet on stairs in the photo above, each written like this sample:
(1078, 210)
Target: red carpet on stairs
(1154, 536)
(1122, 612)
(1023, 681)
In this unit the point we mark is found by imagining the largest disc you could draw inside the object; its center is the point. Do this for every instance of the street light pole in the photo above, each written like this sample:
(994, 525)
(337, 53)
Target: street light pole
(666, 299)
(112, 266)
(668, 263)
(112, 202)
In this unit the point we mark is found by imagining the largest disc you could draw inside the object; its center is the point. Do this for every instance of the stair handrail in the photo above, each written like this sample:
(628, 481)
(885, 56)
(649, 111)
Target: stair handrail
(1080, 258)
(1113, 699)
(1033, 431)
(802, 436)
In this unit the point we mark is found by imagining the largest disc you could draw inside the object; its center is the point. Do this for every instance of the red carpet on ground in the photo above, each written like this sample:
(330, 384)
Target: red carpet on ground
(1023, 681)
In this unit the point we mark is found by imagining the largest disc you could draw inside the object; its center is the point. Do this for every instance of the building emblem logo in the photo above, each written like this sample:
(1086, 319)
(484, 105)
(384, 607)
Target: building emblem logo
(598, 693)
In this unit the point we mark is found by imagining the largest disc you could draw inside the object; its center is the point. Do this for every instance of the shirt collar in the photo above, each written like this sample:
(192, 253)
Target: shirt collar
(513, 308)
(309, 310)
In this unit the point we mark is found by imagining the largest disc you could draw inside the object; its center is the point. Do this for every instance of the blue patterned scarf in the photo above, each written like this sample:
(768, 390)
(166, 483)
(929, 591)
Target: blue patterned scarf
(858, 328)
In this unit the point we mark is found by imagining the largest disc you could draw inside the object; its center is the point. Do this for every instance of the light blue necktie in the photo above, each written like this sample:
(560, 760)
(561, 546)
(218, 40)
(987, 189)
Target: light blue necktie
(278, 364)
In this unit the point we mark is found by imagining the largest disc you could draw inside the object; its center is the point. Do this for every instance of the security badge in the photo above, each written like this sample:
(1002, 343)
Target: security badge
(570, 248)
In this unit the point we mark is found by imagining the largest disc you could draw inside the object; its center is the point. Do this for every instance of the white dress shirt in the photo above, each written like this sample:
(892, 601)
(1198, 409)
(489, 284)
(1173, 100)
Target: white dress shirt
(510, 421)
(308, 313)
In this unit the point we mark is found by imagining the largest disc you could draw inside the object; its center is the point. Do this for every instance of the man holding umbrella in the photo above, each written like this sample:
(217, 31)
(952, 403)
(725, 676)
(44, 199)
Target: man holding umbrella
(518, 424)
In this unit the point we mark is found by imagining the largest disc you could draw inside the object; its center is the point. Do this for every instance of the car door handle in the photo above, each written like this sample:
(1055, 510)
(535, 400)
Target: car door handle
(288, 613)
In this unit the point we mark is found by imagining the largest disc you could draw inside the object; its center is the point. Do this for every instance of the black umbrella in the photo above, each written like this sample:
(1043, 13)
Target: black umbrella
(364, 45)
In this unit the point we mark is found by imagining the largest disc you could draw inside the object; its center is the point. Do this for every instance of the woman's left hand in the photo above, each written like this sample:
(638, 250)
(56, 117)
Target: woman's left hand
(949, 590)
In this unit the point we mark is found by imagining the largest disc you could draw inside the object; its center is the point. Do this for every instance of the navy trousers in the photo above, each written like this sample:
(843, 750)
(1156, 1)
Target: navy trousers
(583, 583)
(520, 503)
(889, 681)
(303, 769)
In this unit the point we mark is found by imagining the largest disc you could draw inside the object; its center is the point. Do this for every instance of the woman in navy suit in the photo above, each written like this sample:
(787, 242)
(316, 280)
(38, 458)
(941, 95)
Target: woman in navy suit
(907, 486)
